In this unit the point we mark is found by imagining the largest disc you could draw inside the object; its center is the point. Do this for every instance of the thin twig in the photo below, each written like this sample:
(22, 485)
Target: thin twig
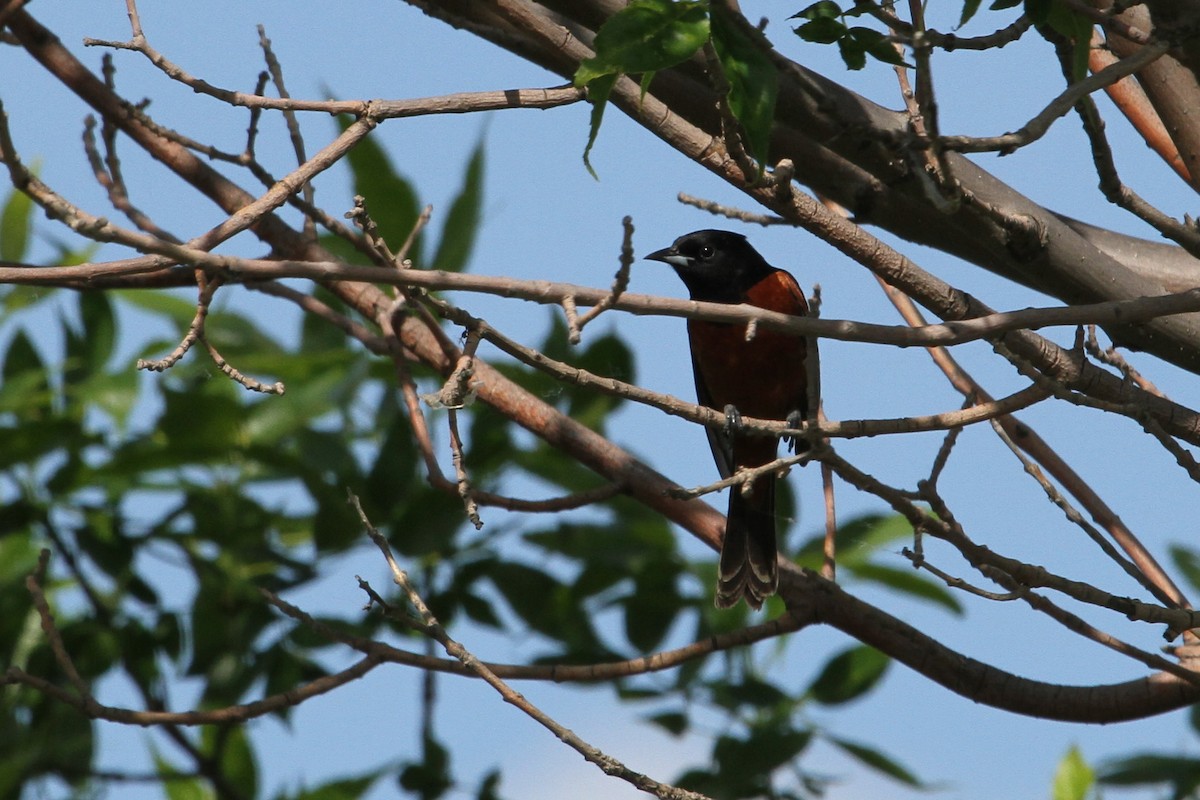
(1036, 127)
(920, 562)
(608, 764)
(556, 673)
(620, 284)
(33, 584)
(289, 116)
(1153, 577)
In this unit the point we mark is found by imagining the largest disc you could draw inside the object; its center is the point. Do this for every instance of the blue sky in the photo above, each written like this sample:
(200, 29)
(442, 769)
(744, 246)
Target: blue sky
(545, 217)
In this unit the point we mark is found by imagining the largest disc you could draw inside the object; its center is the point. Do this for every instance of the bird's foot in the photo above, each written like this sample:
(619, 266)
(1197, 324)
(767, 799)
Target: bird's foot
(795, 444)
(733, 420)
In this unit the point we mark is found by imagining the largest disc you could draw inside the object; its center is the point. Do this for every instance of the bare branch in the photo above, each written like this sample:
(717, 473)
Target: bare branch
(1035, 128)
(608, 764)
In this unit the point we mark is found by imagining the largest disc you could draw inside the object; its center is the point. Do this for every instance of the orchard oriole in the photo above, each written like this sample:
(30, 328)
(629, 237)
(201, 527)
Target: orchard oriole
(760, 376)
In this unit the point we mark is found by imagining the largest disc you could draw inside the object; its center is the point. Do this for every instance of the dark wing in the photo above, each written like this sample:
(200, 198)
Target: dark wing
(719, 442)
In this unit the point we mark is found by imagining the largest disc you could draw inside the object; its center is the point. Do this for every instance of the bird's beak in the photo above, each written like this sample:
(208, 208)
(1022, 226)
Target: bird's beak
(668, 255)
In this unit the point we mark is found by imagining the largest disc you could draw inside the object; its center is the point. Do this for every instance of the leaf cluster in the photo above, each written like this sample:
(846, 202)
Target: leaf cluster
(651, 35)
(170, 501)
(825, 22)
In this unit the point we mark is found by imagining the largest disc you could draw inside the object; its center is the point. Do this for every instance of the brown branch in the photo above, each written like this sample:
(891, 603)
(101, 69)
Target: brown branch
(194, 332)
(1036, 127)
(751, 217)
(620, 284)
(220, 716)
(1079, 626)
(981, 683)
(1108, 702)
(33, 585)
(567, 502)
(1127, 95)
(236, 376)
(464, 102)
(829, 548)
(557, 673)
(608, 764)
(713, 418)
(1155, 578)
(108, 175)
(983, 558)
(1071, 513)
(1116, 192)
(1113, 358)
(904, 32)
(988, 324)
(459, 380)
(919, 561)
(293, 124)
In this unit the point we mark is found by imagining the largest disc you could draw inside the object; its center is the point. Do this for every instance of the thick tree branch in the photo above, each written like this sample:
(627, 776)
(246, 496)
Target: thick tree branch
(849, 149)
(802, 592)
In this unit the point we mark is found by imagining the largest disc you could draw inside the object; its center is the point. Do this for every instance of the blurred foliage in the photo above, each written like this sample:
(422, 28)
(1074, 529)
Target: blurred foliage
(168, 501)
(1074, 779)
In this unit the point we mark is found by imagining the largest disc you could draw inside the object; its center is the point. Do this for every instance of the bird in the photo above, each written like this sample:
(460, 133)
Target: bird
(759, 373)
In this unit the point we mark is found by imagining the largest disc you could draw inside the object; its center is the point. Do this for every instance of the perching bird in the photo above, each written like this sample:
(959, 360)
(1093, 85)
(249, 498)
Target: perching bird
(763, 376)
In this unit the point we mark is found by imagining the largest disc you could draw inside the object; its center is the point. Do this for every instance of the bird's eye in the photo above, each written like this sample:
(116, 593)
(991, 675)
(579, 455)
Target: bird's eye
(706, 252)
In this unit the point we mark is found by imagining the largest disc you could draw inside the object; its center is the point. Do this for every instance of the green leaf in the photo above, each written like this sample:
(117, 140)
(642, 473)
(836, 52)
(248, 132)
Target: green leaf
(341, 789)
(908, 581)
(753, 83)
(532, 594)
(653, 607)
(767, 747)
(15, 298)
(99, 330)
(857, 540)
(462, 221)
(643, 37)
(176, 786)
(24, 380)
(16, 223)
(822, 30)
(848, 675)
(1180, 772)
(673, 722)
(202, 421)
(1000, 5)
(1076, 28)
(489, 787)
(429, 778)
(1038, 10)
(823, 9)
(598, 91)
(479, 610)
(876, 45)
(1187, 561)
(646, 36)
(969, 9)
(273, 418)
(749, 691)
(853, 54)
(878, 761)
(1073, 780)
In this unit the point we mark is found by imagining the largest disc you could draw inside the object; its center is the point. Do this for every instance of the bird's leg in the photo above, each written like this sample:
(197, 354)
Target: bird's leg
(733, 420)
(795, 444)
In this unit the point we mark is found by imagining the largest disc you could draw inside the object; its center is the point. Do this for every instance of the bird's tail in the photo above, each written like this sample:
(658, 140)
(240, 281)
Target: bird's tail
(748, 555)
